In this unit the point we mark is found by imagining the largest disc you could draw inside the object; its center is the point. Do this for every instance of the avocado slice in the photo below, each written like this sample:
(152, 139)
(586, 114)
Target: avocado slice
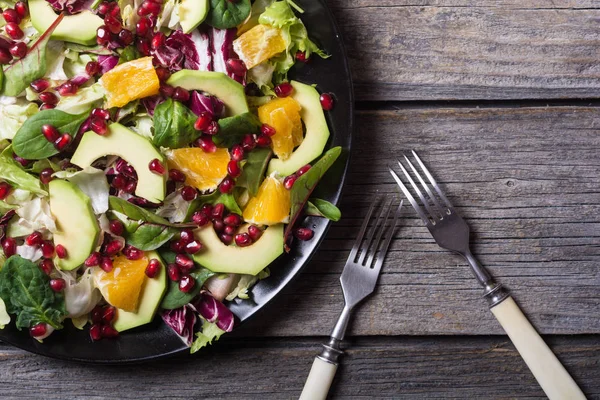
(192, 13)
(230, 92)
(77, 227)
(317, 132)
(218, 257)
(79, 28)
(152, 293)
(131, 147)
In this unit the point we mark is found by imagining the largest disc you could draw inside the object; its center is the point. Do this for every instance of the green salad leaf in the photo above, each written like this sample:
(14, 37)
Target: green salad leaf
(5, 207)
(26, 292)
(129, 53)
(85, 99)
(12, 172)
(233, 129)
(323, 208)
(30, 143)
(254, 169)
(216, 197)
(225, 14)
(210, 332)
(174, 125)
(14, 115)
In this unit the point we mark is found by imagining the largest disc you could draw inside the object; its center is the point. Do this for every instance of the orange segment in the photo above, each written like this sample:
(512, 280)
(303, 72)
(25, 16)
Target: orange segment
(130, 81)
(259, 44)
(203, 171)
(122, 286)
(271, 205)
(283, 115)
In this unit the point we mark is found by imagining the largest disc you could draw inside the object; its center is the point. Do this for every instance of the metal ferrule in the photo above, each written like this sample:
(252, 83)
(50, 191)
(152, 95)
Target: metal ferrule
(494, 293)
(331, 351)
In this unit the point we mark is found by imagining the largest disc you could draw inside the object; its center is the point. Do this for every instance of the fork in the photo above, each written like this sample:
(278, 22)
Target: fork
(358, 281)
(451, 232)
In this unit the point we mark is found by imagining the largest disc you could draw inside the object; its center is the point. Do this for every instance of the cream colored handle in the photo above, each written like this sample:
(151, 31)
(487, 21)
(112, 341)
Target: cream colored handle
(549, 372)
(319, 380)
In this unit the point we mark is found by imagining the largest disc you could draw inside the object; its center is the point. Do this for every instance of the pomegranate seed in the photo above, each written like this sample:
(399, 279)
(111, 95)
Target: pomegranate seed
(263, 141)
(96, 332)
(206, 209)
(184, 262)
(115, 11)
(5, 189)
(218, 225)
(174, 272)
(213, 128)
(47, 249)
(267, 130)
(233, 169)
(96, 314)
(180, 94)
(187, 283)
(50, 133)
(101, 113)
(143, 46)
(255, 232)
(203, 121)
(284, 89)
(47, 107)
(142, 27)
(67, 89)
(5, 56)
(327, 101)
(113, 24)
(93, 68)
(178, 246)
(108, 315)
(109, 332)
(149, 8)
(248, 143)
(158, 40)
(38, 330)
(116, 227)
(186, 236)
(243, 240)
(163, 74)
(21, 9)
(303, 170)
(18, 49)
(39, 85)
(103, 36)
(5, 43)
(126, 37)
(176, 175)
(133, 253)
(301, 56)
(119, 182)
(46, 175)
(166, 90)
(104, 7)
(58, 285)
(233, 219)
(200, 218)
(48, 98)
(237, 153)
(93, 260)
(217, 211)
(206, 143)
(130, 187)
(237, 66)
(304, 233)
(61, 251)
(9, 246)
(113, 247)
(289, 181)
(11, 15)
(21, 160)
(227, 185)
(128, 170)
(229, 230)
(193, 247)
(35, 239)
(99, 125)
(106, 264)
(156, 167)
(153, 268)
(188, 193)
(226, 239)
(47, 266)
(62, 142)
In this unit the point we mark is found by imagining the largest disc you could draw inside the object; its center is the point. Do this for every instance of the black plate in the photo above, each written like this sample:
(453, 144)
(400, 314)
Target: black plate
(157, 340)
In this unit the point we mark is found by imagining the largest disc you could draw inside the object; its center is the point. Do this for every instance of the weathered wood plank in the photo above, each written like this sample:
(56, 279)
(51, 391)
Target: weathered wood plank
(465, 49)
(527, 181)
(398, 367)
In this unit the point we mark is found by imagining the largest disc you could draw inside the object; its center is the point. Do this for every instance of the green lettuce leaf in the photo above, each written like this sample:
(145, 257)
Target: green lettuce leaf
(210, 332)
(13, 116)
(12, 172)
(4, 317)
(85, 99)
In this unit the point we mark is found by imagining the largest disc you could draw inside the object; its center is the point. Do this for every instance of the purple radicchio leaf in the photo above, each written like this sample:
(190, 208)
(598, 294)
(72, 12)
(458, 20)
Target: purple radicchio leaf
(169, 57)
(213, 310)
(185, 45)
(71, 6)
(182, 321)
(4, 222)
(151, 102)
(222, 50)
(80, 80)
(203, 48)
(107, 63)
(200, 103)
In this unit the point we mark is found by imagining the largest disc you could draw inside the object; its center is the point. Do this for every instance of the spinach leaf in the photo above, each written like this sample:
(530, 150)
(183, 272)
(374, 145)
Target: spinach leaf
(225, 14)
(254, 170)
(174, 125)
(136, 213)
(12, 172)
(233, 129)
(305, 185)
(30, 143)
(129, 53)
(98, 50)
(31, 67)
(26, 292)
(323, 208)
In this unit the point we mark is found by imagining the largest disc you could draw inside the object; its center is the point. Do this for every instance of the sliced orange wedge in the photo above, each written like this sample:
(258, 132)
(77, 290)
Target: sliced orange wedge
(122, 286)
(203, 171)
(283, 115)
(271, 205)
(259, 44)
(130, 81)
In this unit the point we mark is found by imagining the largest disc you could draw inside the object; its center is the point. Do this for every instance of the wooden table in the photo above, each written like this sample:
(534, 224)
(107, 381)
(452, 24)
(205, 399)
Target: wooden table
(500, 98)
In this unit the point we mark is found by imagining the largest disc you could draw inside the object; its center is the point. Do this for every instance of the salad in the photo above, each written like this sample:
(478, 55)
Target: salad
(154, 160)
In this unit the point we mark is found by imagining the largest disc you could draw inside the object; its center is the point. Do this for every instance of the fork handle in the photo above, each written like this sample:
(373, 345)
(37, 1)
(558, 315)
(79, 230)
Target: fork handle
(549, 372)
(319, 380)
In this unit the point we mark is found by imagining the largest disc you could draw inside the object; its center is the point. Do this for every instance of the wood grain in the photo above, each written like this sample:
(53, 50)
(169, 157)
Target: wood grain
(399, 368)
(526, 180)
(465, 49)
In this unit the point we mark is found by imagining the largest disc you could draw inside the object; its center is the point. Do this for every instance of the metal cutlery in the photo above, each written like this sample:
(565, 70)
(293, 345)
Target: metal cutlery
(358, 281)
(451, 232)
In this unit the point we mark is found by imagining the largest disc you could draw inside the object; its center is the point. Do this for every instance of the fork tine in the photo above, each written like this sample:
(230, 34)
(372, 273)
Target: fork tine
(362, 231)
(372, 232)
(433, 182)
(386, 244)
(418, 191)
(380, 228)
(409, 196)
(425, 186)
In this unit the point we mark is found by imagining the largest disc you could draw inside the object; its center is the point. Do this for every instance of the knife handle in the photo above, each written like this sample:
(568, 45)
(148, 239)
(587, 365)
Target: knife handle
(319, 380)
(549, 372)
